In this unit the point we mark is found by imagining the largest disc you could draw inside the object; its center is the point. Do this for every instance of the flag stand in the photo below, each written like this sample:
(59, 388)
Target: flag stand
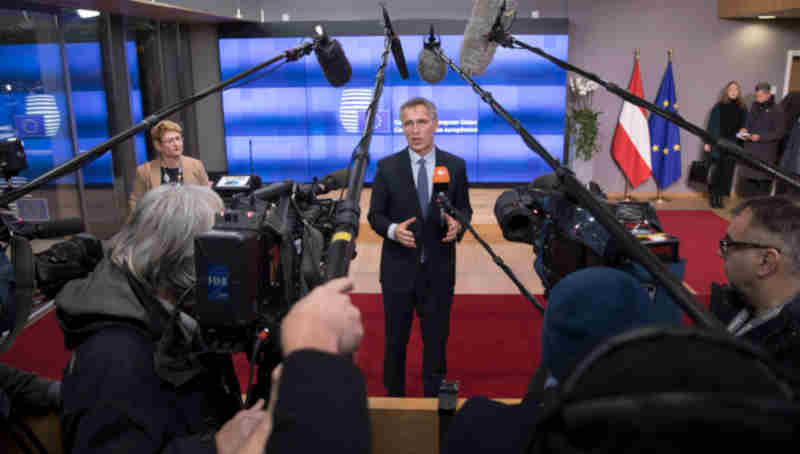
(659, 197)
(627, 196)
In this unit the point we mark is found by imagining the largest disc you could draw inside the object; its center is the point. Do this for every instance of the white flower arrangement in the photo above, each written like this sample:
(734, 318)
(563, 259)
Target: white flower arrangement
(582, 87)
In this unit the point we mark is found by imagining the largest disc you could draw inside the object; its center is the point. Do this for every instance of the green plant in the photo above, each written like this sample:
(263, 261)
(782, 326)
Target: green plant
(582, 119)
(582, 129)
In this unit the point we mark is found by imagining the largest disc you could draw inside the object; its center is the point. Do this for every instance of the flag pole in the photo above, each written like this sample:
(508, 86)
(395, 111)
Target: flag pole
(626, 197)
(660, 197)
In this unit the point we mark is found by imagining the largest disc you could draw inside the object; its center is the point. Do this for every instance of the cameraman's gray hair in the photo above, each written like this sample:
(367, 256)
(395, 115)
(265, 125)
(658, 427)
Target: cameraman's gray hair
(779, 217)
(157, 244)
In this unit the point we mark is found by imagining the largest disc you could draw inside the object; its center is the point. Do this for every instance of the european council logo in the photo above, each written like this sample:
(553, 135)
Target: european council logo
(30, 126)
(46, 106)
(353, 111)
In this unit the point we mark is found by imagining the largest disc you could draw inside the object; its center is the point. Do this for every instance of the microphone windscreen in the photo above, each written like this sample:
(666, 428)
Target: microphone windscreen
(476, 50)
(431, 68)
(334, 63)
(441, 175)
(336, 180)
(441, 179)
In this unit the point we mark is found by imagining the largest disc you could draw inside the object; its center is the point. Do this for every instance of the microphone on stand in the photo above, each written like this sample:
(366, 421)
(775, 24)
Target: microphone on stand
(331, 58)
(477, 50)
(397, 46)
(431, 68)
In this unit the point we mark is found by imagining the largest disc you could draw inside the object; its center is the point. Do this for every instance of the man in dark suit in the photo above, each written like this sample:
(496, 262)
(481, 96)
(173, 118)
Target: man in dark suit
(418, 259)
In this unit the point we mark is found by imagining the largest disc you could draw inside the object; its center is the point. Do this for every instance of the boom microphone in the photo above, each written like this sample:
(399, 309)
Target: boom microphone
(49, 229)
(397, 46)
(330, 55)
(476, 49)
(431, 68)
(274, 191)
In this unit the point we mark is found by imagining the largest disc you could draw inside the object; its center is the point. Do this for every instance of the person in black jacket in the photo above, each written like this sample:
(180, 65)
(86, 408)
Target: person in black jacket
(761, 251)
(132, 383)
(418, 257)
(727, 117)
(762, 133)
(139, 380)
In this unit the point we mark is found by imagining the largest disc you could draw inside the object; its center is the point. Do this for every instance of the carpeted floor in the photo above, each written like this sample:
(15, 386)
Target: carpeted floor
(494, 345)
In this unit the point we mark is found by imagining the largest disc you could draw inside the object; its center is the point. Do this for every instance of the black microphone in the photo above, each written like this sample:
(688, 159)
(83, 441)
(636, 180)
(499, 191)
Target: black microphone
(330, 55)
(431, 68)
(397, 47)
(49, 229)
(441, 183)
(476, 49)
(333, 181)
(274, 190)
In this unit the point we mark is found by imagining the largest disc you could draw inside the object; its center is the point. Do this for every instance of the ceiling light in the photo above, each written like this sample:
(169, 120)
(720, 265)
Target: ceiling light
(87, 13)
(766, 17)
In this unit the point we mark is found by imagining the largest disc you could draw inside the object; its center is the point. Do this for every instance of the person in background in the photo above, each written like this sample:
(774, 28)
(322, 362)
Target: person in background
(727, 118)
(762, 133)
(171, 167)
(790, 158)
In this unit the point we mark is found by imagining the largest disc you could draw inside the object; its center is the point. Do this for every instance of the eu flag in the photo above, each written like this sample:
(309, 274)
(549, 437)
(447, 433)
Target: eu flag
(30, 126)
(665, 138)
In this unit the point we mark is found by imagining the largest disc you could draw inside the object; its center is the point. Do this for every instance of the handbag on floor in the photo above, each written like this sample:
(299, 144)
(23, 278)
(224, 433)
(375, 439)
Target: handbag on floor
(698, 171)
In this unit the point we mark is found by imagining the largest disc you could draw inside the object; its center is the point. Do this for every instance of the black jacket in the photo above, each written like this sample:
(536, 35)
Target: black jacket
(124, 394)
(394, 200)
(767, 120)
(779, 336)
(115, 398)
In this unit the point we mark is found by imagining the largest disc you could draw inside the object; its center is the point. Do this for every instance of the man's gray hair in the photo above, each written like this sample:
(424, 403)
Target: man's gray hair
(157, 244)
(418, 101)
(779, 217)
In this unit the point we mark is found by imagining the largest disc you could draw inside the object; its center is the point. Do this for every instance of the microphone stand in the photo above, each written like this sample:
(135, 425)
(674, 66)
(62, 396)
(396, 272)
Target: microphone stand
(442, 199)
(500, 36)
(77, 162)
(348, 211)
(628, 243)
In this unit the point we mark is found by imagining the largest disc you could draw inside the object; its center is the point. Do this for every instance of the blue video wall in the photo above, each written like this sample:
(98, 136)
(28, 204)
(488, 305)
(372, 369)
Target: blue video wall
(291, 123)
(32, 93)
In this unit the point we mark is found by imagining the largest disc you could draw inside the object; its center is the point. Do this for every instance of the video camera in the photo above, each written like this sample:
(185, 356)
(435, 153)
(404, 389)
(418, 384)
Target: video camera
(47, 271)
(267, 249)
(566, 237)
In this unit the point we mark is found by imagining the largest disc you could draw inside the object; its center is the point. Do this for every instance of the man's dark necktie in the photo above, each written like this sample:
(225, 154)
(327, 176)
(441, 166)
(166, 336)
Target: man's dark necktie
(422, 187)
(422, 193)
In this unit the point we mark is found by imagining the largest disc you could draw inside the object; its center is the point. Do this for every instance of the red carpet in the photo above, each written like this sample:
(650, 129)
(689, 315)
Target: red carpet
(699, 233)
(494, 344)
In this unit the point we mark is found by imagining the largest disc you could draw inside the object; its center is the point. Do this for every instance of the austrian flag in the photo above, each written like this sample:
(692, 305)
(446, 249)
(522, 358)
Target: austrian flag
(631, 144)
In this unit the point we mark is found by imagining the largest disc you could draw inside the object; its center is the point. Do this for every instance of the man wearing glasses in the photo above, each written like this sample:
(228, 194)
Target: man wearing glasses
(761, 251)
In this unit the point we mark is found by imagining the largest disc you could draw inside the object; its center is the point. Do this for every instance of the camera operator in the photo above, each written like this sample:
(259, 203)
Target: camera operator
(137, 380)
(761, 251)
